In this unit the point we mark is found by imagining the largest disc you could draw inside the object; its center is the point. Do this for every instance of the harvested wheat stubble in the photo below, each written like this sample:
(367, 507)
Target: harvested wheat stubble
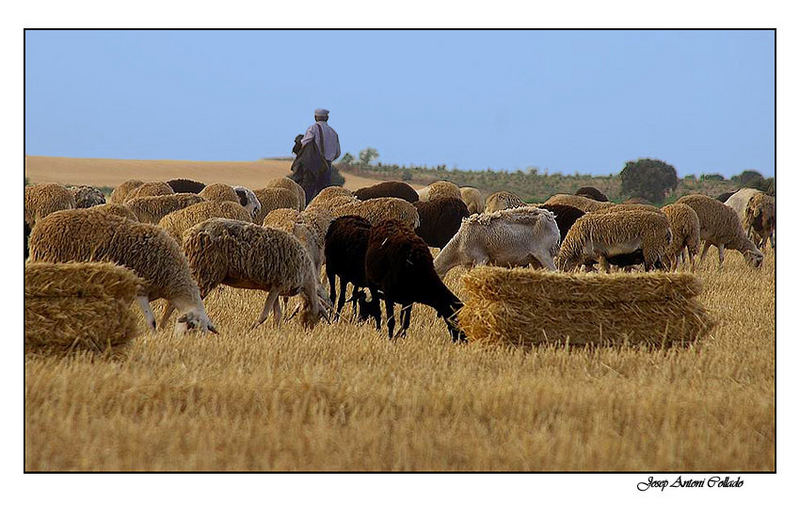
(79, 305)
(521, 306)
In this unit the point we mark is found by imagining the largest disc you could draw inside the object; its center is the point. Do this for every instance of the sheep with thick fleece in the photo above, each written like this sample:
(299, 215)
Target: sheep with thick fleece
(248, 200)
(180, 185)
(473, 198)
(249, 256)
(331, 196)
(92, 235)
(272, 198)
(592, 193)
(510, 237)
(759, 219)
(117, 209)
(121, 191)
(149, 189)
(45, 198)
(440, 189)
(178, 222)
(620, 207)
(579, 202)
(398, 265)
(738, 201)
(685, 227)
(87, 196)
(219, 192)
(291, 221)
(388, 190)
(596, 237)
(150, 209)
(720, 226)
(502, 200)
(380, 209)
(440, 219)
(287, 183)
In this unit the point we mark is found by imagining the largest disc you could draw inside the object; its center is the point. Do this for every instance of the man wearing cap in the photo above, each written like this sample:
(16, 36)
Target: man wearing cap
(327, 141)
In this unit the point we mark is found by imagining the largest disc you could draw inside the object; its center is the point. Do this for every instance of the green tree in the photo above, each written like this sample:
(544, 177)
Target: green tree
(347, 159)
(711, 176)
(749, 178)
(648, 179)
(368, 155)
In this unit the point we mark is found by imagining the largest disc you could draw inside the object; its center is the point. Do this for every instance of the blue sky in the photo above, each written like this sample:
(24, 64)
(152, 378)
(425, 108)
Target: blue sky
(564, 101)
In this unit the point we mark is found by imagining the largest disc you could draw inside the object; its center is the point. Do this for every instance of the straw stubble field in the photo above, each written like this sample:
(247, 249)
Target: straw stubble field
(343, 397)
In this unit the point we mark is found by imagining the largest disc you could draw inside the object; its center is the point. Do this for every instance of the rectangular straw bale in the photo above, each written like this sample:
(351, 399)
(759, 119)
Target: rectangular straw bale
(75, 321)
(88, 279)
(527, 307)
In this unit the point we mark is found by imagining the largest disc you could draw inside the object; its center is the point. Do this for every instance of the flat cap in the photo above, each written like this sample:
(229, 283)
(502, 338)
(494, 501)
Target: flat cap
(321, 112)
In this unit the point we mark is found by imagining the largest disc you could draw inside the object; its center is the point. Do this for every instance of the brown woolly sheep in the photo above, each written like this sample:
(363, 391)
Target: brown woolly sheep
(759, 218)
(178, 222)
(93, 235)
(502, 200)
(288, 183)
(272, 198)
(121, 191)
(150, 209)
(593, 193)
(685, 227)
(117, 210)
(388, 190)
(721, 227)
(579, 202)
(180, 185)
(248, 256)
(87, 196)
(45, 198)
(440, 219)
(219, 192)
(596, 237)
(399, 264)
(380, 209)
(150, 189)
(440, 189)
(473, 198)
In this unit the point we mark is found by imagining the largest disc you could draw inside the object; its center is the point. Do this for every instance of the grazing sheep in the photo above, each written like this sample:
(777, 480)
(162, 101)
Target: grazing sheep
(399, 265)
(510, 237)
(724, 196)
(596, 237)
(150, 209)
(720, 226)
(248, 256)
(288, 183)
(579, 202)
(45, 198)
(121, 191)
(180, 185)
(149, 189)
(272, 198)
(473, 198)
(738, 201)
(87, 196)
(117, 210)
(326, 197)
(178, 222)
(92, 235)
(219, 192)
(685, 227)
(759, 217)
(345, 251)
(248, 200)
(380, 209)
(440, 189)
(566, 216)
(388, 190)
(291, 221)
(502, 200)
(592, 193)
(620, 207)
(440, 219)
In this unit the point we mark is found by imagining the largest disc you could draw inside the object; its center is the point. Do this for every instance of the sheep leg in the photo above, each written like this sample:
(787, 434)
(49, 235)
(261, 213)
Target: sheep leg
(332, 282)
(706, 244)
(405, 318)
(144, 303)
(721, 249)
(277, 317)
(389, 316)
(604, 264)
(268, 305)
(167, 312)
(342, 294)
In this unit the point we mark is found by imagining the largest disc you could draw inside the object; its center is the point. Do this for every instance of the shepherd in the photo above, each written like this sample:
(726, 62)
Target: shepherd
(318, 148)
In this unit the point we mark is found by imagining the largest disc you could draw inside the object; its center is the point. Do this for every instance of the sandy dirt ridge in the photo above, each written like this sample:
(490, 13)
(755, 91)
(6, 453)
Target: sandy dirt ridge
(110, 172)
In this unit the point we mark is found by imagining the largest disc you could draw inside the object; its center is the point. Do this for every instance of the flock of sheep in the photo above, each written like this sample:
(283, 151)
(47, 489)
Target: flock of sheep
(184, 238)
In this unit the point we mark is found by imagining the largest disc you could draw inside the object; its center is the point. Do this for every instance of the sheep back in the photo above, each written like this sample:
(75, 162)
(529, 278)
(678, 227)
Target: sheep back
(346, 247)
(685, 227)
(150, 209)
(150, 189)
(579, 202)
(380, 209)
(288, 183)
(502, 200)
(440, 219)
(87, 196)
(272, 198)
(593, 193)
(473, 198)
(186, 185)
(45, 198)
(388, 190)
(219, 192)
(178, 222)
(121, 191)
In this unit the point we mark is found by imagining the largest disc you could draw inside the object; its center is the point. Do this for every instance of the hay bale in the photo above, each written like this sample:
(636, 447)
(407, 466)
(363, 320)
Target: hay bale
(79, 305)
(527, 307)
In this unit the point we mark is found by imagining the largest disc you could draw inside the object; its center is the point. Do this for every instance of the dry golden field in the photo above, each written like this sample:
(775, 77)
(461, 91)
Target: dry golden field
(343, 397)
(112, 172)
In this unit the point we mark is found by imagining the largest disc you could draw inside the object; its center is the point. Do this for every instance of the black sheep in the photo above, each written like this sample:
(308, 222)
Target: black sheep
(566, 216)
(592, 193)
(180, 185)
(388, 190)
(345, 248)
(399, 266)
(440, 219)
(725, 195)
